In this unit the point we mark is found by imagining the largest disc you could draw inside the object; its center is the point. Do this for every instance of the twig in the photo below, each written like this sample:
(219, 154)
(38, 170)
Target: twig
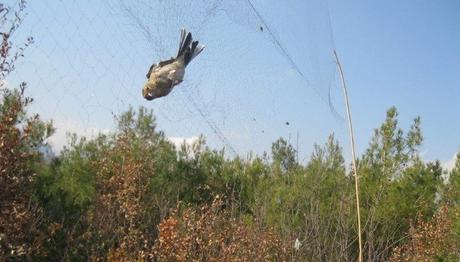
(352, 143)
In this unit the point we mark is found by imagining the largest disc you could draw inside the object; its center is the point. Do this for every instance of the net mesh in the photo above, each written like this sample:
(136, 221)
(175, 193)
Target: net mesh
(267, 70)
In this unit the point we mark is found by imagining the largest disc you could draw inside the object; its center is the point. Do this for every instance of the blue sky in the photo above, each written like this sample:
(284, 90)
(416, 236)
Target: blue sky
(90, 58)
(403, 53)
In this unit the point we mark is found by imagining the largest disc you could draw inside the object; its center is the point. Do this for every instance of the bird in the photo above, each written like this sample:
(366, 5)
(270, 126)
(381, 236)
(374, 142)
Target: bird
(162, 78)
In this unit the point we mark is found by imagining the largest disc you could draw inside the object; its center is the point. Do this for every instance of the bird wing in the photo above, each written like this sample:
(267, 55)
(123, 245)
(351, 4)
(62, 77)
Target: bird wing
(166, 62)
(160, 64)
(150, 70)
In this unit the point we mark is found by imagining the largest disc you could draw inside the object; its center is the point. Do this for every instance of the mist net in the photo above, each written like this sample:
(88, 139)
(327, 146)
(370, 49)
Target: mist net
(268, 69)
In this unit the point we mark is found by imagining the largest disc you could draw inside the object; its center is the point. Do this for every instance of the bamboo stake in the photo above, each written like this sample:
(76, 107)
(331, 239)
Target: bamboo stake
(352, 143)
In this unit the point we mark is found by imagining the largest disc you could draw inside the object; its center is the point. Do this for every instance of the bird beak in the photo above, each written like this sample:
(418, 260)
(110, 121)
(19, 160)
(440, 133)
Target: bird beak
(149, 96)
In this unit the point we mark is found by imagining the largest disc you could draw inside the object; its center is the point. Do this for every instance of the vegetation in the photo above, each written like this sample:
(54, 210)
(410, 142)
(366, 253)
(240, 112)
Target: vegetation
(131, 195)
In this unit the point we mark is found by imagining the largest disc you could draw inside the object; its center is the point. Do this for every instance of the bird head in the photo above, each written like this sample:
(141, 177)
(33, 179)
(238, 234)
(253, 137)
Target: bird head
(153, 89)
(148, 91)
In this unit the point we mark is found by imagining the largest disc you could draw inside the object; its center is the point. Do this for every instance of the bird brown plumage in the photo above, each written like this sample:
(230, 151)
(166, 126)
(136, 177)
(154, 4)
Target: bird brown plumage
(162, 78)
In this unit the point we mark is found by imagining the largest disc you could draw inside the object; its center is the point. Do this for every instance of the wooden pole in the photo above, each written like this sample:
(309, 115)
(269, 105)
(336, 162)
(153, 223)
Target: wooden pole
(352, 143)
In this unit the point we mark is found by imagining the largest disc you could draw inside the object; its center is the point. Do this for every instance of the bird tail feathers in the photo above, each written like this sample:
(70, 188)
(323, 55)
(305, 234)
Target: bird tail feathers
(187, 47)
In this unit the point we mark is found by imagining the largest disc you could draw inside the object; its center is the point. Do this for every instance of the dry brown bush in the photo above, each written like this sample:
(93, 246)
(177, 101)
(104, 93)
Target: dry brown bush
(212, 234)
(20, 140)
(119, 222)
(430, 240)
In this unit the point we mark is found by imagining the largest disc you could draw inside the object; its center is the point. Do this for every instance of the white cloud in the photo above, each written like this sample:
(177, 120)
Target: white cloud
(179, 141)
(59, 139)
(449, 164)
